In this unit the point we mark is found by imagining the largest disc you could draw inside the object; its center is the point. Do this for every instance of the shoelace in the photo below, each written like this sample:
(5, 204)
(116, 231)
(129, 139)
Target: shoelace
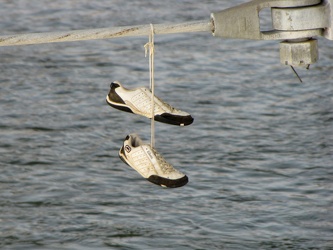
(146, 104)
(167, 105)
(150, 45)
(166, 167)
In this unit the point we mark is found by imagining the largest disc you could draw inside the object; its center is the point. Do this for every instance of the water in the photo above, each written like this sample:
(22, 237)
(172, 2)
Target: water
(259, 153)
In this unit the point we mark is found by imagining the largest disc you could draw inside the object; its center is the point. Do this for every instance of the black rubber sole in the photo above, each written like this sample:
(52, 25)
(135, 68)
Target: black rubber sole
(170, 119)
(164, 182)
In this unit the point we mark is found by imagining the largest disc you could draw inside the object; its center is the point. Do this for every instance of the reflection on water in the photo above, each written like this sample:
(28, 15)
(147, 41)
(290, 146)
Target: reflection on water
(258, 155)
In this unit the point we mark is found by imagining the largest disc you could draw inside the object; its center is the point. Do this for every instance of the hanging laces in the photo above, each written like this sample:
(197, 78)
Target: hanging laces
(150, 46)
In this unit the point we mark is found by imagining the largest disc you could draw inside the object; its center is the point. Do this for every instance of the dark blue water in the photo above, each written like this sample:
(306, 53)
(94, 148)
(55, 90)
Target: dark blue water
(259, 154)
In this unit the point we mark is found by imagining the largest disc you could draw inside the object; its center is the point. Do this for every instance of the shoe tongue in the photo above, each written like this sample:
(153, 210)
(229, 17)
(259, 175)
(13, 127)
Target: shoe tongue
(135, 140)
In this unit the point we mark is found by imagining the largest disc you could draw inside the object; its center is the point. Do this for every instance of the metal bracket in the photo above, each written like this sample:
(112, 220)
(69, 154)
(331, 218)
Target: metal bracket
(328, 31)
(243, 21)
(305, 18)
(296, 22)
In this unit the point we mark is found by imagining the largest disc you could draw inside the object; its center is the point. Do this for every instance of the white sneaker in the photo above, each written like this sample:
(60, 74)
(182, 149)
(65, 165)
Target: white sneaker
(150, 164)
(138, 101)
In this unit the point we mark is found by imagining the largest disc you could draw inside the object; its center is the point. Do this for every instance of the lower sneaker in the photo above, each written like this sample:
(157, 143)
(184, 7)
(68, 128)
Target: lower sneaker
(138, 101)
(150, 164)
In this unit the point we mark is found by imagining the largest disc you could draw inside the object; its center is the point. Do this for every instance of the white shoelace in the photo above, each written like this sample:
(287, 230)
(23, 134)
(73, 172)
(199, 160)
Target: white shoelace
(165, 166)
(150, 45)
(143, 102)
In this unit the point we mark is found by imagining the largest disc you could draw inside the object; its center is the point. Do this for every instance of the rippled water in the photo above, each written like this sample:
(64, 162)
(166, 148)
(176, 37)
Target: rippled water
(259, 153)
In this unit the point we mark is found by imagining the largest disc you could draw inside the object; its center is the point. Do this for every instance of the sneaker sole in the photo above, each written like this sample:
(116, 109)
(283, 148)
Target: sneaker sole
(164, 118)
(164, 182)
(158, 180)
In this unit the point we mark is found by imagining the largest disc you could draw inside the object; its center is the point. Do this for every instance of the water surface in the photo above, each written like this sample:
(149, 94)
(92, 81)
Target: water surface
(258, 155)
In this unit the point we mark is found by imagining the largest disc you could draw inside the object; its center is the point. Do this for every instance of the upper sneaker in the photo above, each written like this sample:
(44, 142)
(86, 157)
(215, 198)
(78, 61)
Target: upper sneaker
(138, 101)
(150, 164)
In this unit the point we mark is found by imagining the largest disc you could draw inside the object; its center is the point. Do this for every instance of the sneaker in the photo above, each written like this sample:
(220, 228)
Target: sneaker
(150, 164)
(138, 101)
